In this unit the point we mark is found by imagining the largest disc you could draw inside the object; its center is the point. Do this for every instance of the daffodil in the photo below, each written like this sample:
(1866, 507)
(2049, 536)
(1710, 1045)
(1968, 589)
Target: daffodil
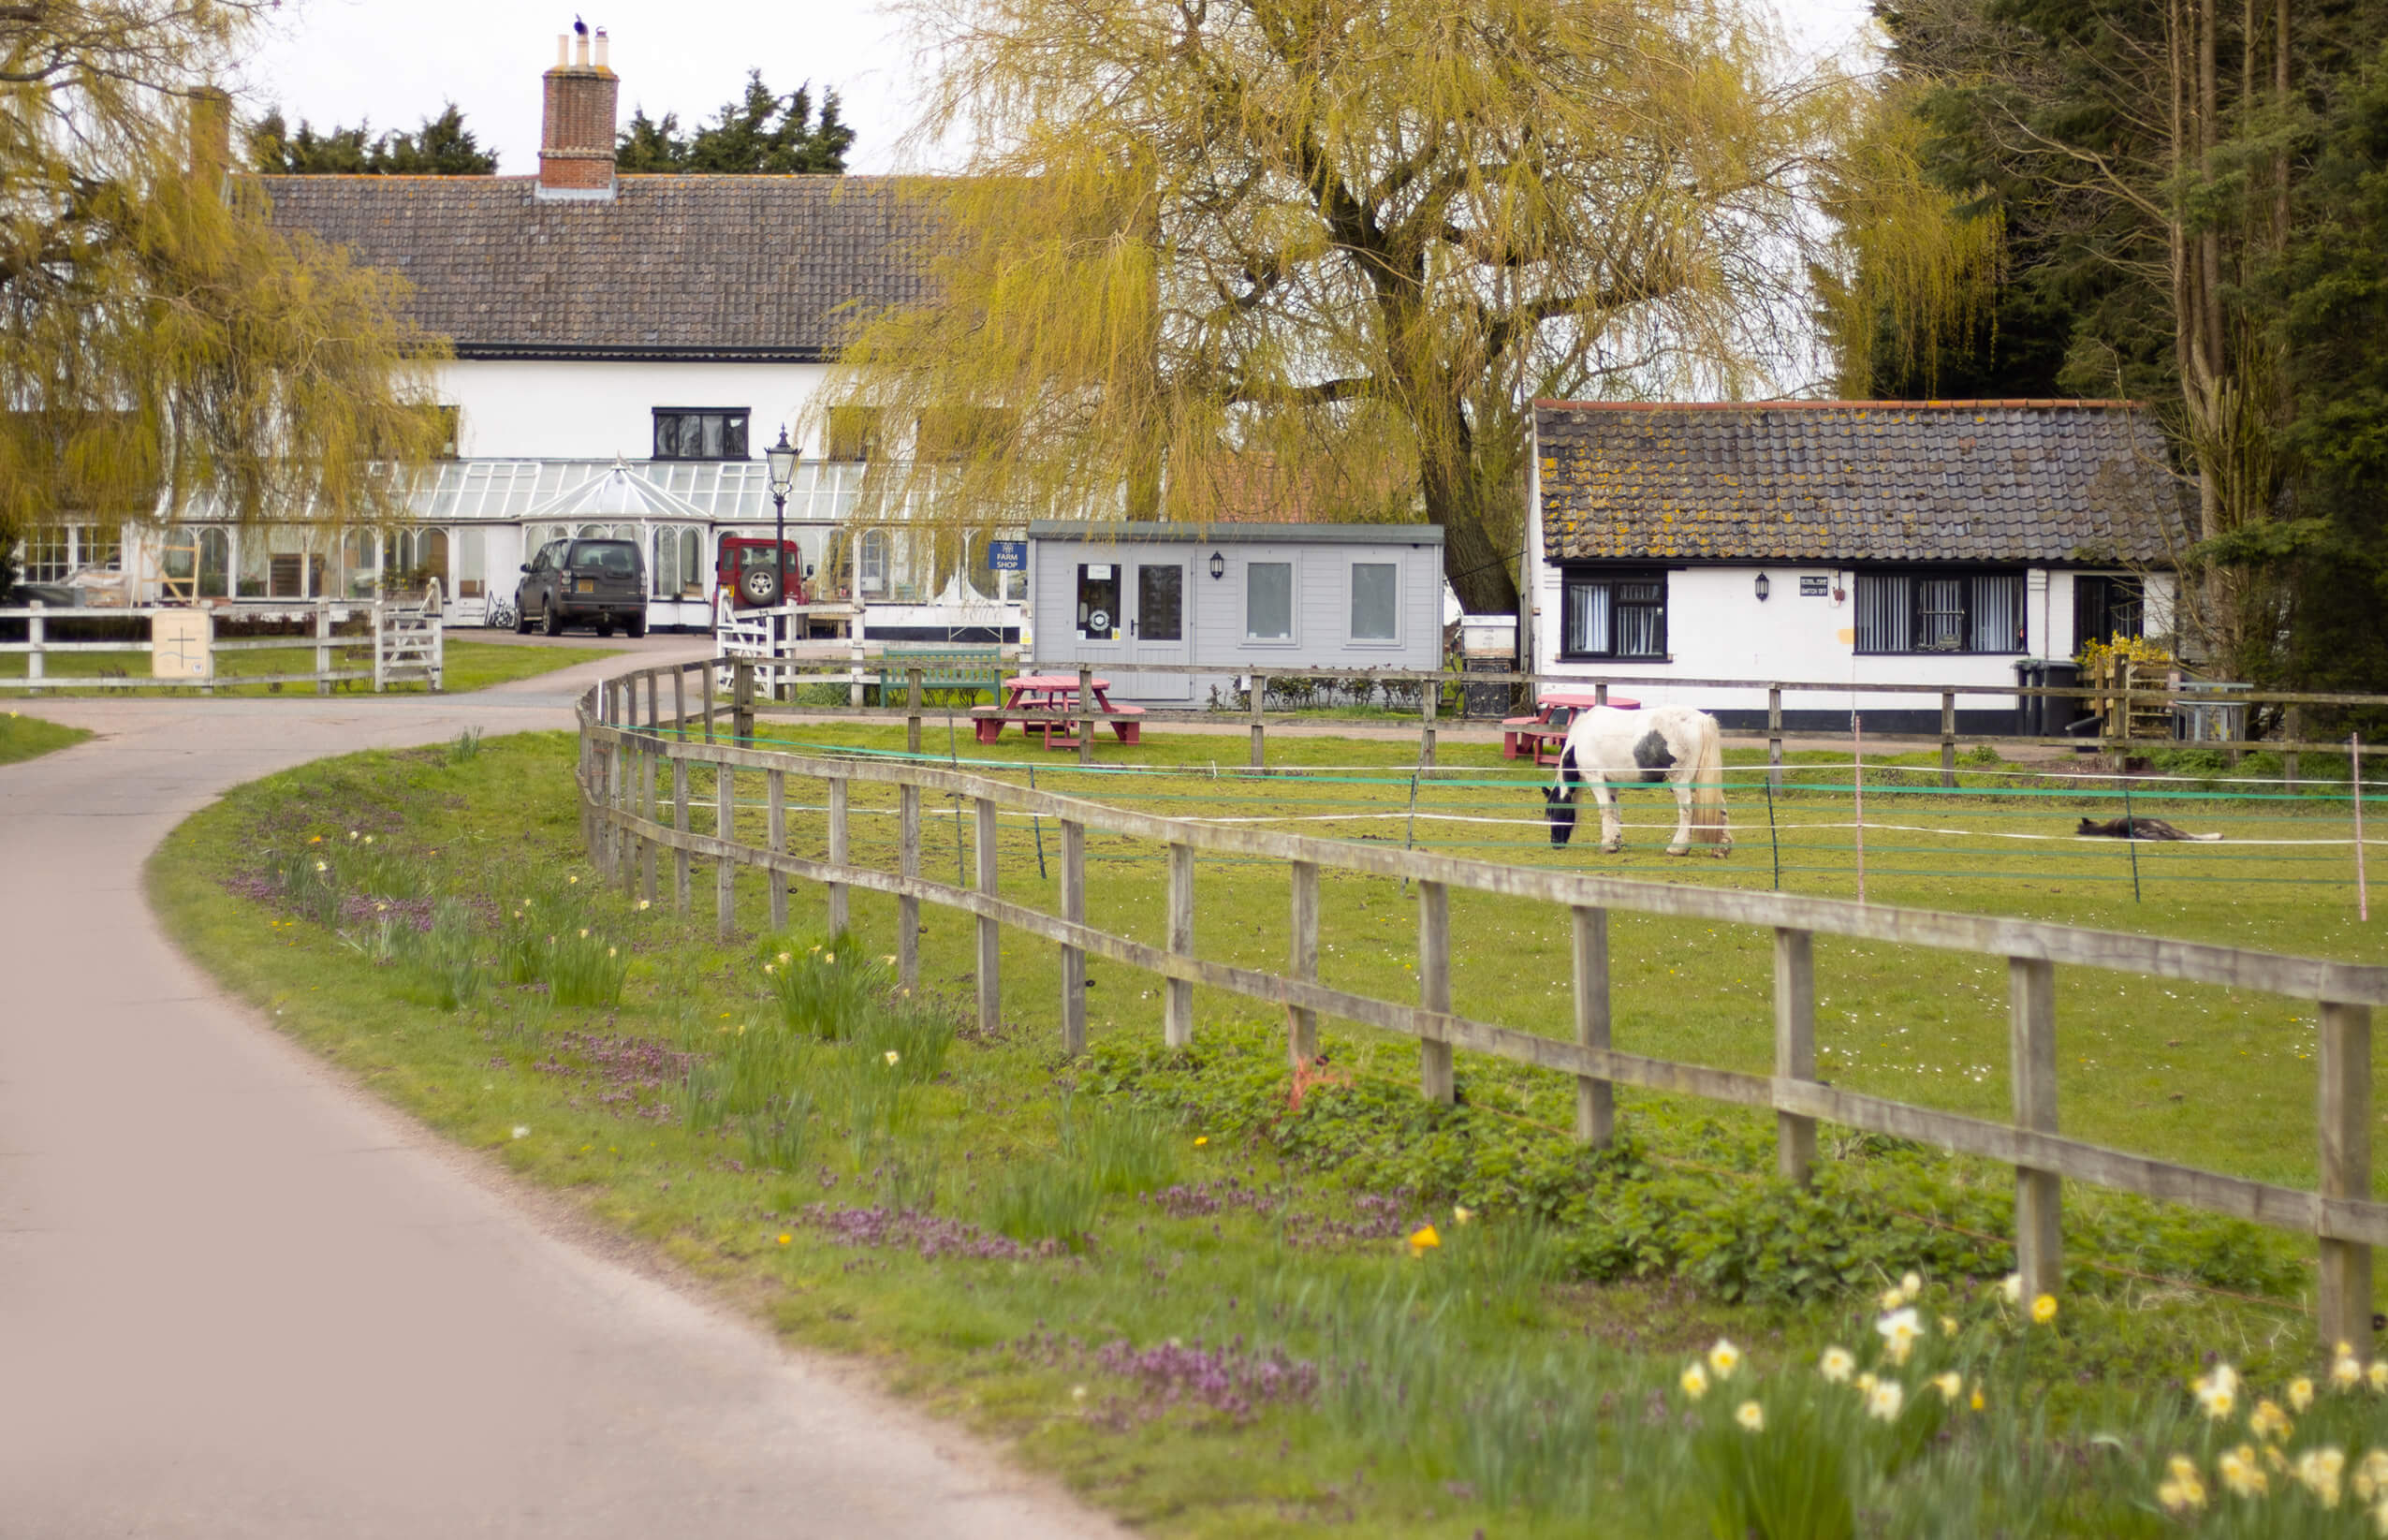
(1909, 1286)
(1752, 1415)
(1948, 1326)
(1950, 1385)
(830, 958)
(1836, 1364)
(2183, 1489)
(2044, 1310)
(643, 903)
(1725, 1358)
(786, 960)
(2318, 1471)
(1884, 1400)
(1462, 1213)
(1423, 1239)
(1899, 1330)
(1695, 1381)
(2346, 1371)
(321, 866)
(1893, 1298)
(2300, 1394)
(1976, 1402)
(2243, 1474)
(2012, 1286)
(2268, 1421)
(2376, 1374)
(2372, 1476)
(2218, 1391)
(521, 1131)
(893, 1056)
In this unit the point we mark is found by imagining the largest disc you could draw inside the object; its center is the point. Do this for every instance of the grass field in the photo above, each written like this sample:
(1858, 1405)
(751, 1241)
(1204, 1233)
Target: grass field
(29, 737)
(469, 665)
(1222, 1273)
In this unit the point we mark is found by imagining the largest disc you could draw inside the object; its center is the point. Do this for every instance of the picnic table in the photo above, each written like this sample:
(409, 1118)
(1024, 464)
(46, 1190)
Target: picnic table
(1544, 733)
(1038, 703)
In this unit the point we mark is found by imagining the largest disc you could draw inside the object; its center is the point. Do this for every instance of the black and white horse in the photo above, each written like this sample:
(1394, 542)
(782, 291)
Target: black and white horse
(1675, 745)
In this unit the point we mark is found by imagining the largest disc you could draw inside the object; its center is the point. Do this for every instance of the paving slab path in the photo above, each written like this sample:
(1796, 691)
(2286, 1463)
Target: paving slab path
(238, 1298)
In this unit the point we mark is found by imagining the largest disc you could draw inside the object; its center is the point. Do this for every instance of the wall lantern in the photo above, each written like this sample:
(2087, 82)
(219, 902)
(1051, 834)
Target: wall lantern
(1765, 588)
(1218, 565)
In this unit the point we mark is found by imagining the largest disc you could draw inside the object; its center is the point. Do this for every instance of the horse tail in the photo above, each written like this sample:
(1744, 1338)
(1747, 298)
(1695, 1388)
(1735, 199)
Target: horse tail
(1707, 783)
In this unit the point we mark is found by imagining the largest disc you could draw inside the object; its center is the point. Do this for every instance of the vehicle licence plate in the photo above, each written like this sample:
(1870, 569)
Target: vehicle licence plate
(584, 585)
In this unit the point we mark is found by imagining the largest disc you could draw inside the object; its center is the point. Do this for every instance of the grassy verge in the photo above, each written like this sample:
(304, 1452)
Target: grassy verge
(469, 664)
(1200, 1288)
(29, 737)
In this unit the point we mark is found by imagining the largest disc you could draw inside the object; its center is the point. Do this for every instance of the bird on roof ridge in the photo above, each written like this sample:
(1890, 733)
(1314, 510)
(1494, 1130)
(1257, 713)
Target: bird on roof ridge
(580, 27)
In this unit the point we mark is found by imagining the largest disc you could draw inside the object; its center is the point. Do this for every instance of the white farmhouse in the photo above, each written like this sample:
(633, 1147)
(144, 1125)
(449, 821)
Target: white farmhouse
(1934, 543)
(625, 349)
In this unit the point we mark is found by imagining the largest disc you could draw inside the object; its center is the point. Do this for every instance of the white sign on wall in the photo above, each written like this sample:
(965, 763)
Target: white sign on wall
(179, 644)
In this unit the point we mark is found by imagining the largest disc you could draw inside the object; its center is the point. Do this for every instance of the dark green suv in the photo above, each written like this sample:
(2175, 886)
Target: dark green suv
(572, 583)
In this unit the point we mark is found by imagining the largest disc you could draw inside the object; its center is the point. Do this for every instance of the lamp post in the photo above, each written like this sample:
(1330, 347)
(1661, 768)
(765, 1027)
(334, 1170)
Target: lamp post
(780, 458)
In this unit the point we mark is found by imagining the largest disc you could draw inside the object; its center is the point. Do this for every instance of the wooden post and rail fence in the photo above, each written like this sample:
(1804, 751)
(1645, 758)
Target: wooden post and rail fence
(404, 641)
(2116, 703)
(621, 749)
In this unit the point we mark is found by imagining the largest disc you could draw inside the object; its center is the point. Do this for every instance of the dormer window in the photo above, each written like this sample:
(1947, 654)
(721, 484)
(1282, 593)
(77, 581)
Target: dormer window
(700, 433)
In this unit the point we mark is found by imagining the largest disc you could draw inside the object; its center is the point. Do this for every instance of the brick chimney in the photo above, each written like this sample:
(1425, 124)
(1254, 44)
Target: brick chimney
(575, 133)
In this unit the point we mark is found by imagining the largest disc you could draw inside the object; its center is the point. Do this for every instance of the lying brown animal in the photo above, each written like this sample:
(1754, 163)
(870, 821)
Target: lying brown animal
(2138, 829)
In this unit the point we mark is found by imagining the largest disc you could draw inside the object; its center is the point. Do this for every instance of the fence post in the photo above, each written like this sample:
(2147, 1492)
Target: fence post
(1596, 1098)
(725, 829)
(1073, 959)
(837, 853)
(36, 633)
(1599, 692)
(1434, 988)
(643, 852)
(1301, 1023)
(1774, 738)
(991, 934)
(1177, 1015)
(2039, 1233)
(775, 830)
(1948, 737)
(2345, 1066)
(609, 792)
(907, 904)
(742, 697)
(912, 718)
(1086, 714)
(381, 642)
(680, 825)
(1794, 1048)
(2292, 730)
(680, 704)
(1430, 695)
(323, 647)
(654, 704)
(1260, 728)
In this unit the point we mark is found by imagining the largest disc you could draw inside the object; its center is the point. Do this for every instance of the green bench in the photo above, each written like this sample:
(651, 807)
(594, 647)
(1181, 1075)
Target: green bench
(968, 668)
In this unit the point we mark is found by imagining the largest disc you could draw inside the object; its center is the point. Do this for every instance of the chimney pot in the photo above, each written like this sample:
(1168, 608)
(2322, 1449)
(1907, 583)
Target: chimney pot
(580, 53)
(601, 48)
(563, 50)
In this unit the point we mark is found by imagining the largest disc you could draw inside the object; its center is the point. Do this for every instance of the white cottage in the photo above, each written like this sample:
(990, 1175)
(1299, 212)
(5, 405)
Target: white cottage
(1231, 599)
(662, 328)
(1883, 542)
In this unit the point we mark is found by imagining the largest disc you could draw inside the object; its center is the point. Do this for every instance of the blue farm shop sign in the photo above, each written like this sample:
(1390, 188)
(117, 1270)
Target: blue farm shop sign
(1007, 556)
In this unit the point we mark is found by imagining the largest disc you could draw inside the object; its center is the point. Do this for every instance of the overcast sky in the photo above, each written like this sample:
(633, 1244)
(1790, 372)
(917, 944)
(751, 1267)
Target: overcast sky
(337, 61)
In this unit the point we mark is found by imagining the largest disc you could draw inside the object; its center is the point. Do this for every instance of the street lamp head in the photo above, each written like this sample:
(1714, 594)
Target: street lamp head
(780, 458)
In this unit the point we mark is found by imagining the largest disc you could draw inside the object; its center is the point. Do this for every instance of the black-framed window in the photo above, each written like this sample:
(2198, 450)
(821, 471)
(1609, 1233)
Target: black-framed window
(2104, 607)
(700, 433)
(1940, 612)
(1613, 615)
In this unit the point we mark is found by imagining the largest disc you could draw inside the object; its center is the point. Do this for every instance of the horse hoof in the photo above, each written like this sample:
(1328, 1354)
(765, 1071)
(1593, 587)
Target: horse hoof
(1614, 848)
(1676, 849)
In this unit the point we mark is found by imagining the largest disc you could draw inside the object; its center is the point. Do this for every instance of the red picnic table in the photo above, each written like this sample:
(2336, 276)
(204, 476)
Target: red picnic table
(1036, 701)
(1545, 732)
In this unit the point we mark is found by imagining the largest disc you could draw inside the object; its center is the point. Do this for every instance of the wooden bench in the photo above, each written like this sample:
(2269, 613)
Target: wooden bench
(1544, 733)
(971, 669)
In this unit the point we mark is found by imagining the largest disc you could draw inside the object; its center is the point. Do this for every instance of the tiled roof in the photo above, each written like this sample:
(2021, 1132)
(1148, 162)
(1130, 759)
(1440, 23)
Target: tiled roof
(718, 267)
(2038, 481)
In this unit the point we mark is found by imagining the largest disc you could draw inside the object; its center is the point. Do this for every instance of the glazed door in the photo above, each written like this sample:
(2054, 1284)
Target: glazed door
(1160, 631)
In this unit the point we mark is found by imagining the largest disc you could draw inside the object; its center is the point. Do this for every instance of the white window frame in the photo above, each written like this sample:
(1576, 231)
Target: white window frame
(1352, 601)
(1291, 562)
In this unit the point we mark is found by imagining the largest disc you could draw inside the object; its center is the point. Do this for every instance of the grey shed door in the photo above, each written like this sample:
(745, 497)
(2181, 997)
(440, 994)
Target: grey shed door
(1160, 628)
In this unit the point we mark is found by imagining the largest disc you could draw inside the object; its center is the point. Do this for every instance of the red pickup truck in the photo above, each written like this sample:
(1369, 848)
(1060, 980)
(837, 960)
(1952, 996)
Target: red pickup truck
(749, 573)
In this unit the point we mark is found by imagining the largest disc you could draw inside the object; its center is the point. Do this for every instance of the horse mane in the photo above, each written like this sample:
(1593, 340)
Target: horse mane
(1569, 776)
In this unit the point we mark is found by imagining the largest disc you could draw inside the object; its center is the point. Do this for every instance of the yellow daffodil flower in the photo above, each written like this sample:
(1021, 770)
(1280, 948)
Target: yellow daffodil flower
(2268, 1421)
(2318, 1471)
(2218, 1391)
(1899, 1330)
(1948, 1326)
(1836, 1364)
(1695, 1381)
(1462, 1213)
(2300, 1394)
(1950, 1385)
(1725, 1358)
(1883, 1401)
(2183, 1489)
(1909, 1286)
(2012, 1288)
(2243, 1474)
(1752, 1415)
(893, 1056)
(2372, 1476)
(2346, 1371)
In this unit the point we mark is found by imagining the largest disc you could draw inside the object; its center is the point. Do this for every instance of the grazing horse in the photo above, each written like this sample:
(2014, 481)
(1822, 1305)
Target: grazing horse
(1607, 748)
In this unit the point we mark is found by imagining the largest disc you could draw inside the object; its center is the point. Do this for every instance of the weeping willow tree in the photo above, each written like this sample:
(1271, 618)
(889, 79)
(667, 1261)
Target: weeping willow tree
(1335, 249)
(159, 340)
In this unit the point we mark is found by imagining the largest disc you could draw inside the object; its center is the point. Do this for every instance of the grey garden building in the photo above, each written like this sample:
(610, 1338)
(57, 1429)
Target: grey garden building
(1228, 600)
